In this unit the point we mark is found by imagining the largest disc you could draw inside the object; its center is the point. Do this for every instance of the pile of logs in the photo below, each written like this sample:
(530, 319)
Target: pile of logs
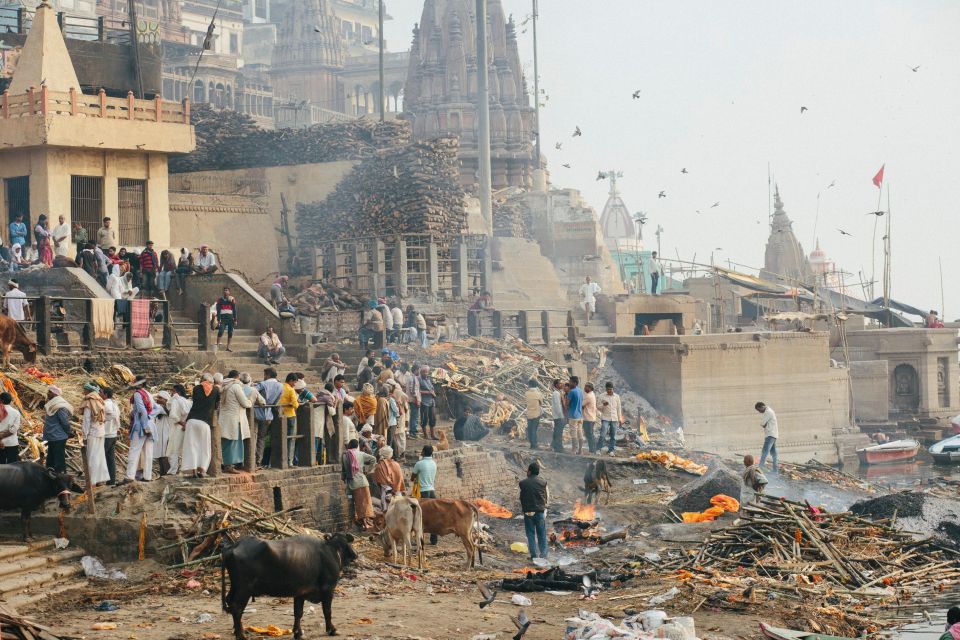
(410, 189)
(511, 217)
(230, 140)
(16, 627)
(323, 296)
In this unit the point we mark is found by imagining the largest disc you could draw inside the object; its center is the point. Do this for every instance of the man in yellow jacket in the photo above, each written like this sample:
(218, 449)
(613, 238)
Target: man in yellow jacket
(288, 412)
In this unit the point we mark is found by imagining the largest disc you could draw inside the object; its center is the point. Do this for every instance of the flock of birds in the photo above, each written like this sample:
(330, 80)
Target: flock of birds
(521, 621)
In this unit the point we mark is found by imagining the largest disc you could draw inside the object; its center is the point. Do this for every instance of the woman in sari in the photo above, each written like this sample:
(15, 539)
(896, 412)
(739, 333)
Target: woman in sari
(93, 419)
(365, 406)
(42, 234)
(353, 463)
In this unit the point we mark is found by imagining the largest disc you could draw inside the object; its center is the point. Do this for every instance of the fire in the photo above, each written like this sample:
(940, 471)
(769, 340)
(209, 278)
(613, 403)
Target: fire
(584, 512)
(492, 509)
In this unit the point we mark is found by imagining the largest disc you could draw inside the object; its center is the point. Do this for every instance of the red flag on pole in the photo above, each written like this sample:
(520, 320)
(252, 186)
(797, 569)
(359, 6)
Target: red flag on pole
(878, 179)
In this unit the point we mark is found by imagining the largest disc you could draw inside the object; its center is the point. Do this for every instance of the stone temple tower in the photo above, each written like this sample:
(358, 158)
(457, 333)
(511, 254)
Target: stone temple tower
(784, 260)
(441, 91)
(308, 55)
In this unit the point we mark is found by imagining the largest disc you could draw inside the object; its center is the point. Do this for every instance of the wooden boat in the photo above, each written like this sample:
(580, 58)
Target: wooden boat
(947, 451)
(775, 633)
(896, 451)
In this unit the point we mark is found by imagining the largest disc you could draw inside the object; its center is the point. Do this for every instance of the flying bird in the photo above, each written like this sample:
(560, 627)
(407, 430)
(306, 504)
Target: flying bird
(636, 94)
(566, 166)
(914, 69)
(662, 194)
(577, 132)
(396, 174)
(601, 175)
(832, 184)
(876, 213)
(522, 623)
(558, 146)
(844, 233)
(684, 170)
(487, 594)
(698, 211)
(317, 29)
(715, 205)
(589, 589)
(802, 109)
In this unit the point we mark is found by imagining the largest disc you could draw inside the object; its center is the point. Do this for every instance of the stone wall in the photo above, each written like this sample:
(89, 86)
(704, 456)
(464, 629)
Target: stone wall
(472, 472)
(711, 383)
(871, 399)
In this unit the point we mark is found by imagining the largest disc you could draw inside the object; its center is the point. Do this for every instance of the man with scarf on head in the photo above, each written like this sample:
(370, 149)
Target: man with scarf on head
(234, 426)
(178, 408)
(365, 406)
(164, 427)
(196, 438)
(56, 428)
(953, 625)
(94, 429)
(353, 463)
(389, 477)
(141, 431)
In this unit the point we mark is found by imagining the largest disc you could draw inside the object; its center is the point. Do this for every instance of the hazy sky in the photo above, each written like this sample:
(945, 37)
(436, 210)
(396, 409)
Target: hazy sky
(722, 85)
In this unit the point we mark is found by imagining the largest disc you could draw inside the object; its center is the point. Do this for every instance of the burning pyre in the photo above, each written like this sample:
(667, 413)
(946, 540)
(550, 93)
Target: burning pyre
(580, 529)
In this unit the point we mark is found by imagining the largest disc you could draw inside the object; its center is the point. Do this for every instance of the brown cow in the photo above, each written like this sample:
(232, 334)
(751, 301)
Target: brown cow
(12, 336)
(442, 516)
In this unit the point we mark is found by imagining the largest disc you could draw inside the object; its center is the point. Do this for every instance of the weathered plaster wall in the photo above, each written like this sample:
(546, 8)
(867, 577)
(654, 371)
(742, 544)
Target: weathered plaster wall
(711, 383)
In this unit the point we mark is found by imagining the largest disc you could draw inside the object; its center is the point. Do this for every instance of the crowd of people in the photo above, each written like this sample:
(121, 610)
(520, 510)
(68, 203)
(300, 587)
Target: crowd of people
(578, 412)
(386, 317)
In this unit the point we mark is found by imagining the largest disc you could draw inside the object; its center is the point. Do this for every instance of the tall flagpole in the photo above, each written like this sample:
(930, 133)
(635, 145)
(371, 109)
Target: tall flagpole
(483, 108)
(536, 82)
(887, 272)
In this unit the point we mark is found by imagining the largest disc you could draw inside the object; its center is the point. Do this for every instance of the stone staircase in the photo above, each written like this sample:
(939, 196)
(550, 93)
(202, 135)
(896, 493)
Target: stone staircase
(597, 331)
(32, 572)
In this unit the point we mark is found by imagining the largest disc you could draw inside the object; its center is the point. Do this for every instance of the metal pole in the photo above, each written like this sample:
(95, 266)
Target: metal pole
(483, 108)
(380, 32)
(536, 83)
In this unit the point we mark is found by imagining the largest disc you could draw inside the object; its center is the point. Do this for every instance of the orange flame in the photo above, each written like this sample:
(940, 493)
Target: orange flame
(492, 509)
(584, 512)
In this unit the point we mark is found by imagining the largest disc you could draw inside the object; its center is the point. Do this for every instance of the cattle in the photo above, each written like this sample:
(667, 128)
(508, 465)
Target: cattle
(403, 517)
(302, 568)
(12, 336)
(27, 485)
(442, 516)
(595, 480)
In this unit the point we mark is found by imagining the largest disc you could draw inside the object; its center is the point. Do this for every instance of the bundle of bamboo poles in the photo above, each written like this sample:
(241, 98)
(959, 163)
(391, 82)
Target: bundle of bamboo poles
(15, 627)
(218, 521)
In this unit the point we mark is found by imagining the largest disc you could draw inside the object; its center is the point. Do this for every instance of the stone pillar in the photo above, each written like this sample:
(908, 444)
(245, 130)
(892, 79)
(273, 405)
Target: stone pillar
(88, 339)
(216, 452)
(304, 444)
(250, 444)
(487, 265)
(461, 281)
(545, 327)
(497, 324)
(354, 258)
(433, 269)
(43, 325)
(473, 323)
(278, 441)
(203, 328)
(400, 267)
(523, 326)
(379, 279)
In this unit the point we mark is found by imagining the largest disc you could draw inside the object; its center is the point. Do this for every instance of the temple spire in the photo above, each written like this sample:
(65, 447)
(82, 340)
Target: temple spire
(44, 60)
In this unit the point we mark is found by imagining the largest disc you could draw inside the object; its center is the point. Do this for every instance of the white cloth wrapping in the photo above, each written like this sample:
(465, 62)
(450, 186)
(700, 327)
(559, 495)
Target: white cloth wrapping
(161, 431)
(233, 411)
(138, 445)
(178, 408)
(196, 446)
(97, 460)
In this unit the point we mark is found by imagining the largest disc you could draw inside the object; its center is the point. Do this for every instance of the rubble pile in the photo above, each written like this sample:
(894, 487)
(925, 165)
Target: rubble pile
(917, 512)
(230, 140)
(323, 296)
(833, 562)
(510, 217)
(414, 189)
(16, 627)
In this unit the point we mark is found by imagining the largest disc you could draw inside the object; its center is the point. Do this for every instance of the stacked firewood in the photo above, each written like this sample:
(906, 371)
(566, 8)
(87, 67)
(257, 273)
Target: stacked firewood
(324, 296)
(511, 217)
(230, 140)
(411, 189)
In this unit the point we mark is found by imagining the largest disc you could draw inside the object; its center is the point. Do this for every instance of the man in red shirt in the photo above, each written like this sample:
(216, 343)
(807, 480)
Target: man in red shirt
(149, 265)
(227, 317)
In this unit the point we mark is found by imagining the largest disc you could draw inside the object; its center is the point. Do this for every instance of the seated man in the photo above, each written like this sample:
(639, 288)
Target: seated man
(205, 262)
(270, 349)
(469, 427)
(371, 327)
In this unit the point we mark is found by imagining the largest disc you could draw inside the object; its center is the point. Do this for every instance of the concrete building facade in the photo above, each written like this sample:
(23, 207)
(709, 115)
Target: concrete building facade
(710, 383)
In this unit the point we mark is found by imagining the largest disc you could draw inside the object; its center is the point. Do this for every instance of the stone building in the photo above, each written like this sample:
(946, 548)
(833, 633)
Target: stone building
(441, 90)
(784, 259)
(85, 156)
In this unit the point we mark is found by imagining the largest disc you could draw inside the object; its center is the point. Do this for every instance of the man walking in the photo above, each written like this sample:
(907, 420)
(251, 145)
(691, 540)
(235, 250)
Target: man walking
(227, 316)
(556, 409)
(771, 431)
(533, 398)
(425, 472)
(588, 297)
(534, 497)
(611, 415)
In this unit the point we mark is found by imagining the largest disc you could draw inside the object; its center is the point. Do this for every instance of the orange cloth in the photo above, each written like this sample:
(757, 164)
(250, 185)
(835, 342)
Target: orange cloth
(721, 504)
(388, 473)
(381, 419)
(365, 406)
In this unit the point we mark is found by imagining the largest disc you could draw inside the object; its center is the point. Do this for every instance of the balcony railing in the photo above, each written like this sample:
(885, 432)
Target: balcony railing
(44, 102)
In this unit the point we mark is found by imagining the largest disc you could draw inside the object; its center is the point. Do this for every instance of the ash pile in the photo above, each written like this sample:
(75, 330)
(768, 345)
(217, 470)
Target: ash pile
(917, 512)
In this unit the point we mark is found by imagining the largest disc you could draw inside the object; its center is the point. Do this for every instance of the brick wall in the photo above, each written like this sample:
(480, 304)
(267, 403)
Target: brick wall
(156, 365)
(482, 474)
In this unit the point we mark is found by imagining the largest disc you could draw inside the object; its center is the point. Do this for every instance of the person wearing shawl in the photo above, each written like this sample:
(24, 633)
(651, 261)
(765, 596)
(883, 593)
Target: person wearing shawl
(161, 435)
(324, 413)
(196, 436)
(381, 417)
(177, 409)
(389, 477)
(93, 427)
(428, 403)
(333, 367)
(142, 430)
(397, 396)
(353, 463)
(953, 625)
(365, 405)
(9, 430)
(234, 426)
(56, 428)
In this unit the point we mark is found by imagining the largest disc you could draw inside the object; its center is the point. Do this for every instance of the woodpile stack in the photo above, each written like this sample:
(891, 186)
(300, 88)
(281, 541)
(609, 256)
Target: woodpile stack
(230, 140)
(324, 296)
(15, 627)
(412, 189)
(511, 217)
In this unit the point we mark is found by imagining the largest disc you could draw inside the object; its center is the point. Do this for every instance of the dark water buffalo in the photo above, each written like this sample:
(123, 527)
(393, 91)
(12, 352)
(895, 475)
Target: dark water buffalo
(302, 568)
(27, 485)
(595, 480)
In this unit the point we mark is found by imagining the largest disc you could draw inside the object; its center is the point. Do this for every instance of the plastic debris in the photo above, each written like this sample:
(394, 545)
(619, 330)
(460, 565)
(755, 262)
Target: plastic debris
(541, 562)
(193, 584)
(103, 626)
(565, 561)
(640, 481)
(664, 597)
(93, 568)
(270, 630)
(519, 547)
(652, 556)
(60, 543)
(203, 618)
(642, 626)
(559, 593)
(106, 605)
(521, 601)
(484, 636)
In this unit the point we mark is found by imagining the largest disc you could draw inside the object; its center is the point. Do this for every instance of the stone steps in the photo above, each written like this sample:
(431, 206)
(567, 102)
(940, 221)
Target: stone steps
(29, 573)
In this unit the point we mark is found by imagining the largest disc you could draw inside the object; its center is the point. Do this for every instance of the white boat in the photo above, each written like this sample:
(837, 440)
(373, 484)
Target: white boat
(947, 451)
(889, 452)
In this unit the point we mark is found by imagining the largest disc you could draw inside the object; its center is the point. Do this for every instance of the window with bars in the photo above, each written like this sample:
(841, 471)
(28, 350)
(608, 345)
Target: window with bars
(86, 203)
(18, 202)
(132, 211)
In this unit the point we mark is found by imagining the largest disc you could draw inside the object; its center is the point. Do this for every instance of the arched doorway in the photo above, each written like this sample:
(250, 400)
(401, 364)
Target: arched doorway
(906, 389)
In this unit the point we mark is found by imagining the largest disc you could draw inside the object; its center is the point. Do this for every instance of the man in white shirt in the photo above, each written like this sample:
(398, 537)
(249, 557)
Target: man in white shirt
(61, 237)
(271, 349)
(610, 409)
(588, 297)
(655, 274)
(397, 314)
(15, 302)
(771, 431)
(205, 262)
(9, 428)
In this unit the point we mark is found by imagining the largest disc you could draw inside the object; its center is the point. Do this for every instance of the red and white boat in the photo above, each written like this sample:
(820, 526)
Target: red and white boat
(889, 452)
